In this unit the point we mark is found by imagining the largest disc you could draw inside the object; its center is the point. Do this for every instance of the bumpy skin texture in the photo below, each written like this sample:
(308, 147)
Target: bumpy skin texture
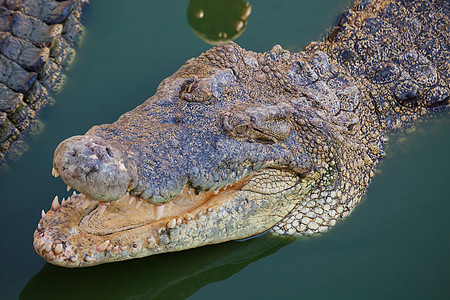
(37, 40)
(298, 134)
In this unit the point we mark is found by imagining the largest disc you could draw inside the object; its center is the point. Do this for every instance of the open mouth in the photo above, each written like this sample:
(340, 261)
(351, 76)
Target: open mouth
(131, 212)
(82, 232)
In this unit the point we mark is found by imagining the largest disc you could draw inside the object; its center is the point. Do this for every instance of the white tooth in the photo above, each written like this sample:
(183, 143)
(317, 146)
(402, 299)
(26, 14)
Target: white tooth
(55, 204)
(68, 188)
(47, 247)
(131, 200)
(54, 173)
(216, 192)
(225, 187)
(41, 243)
(102, 207)
(158, 211)
(88, 258)
(86, 203)
(172, 223)
(74, 193)
(63, 201)
(102, 247)
(58, 249)
(43, 214)
(138, 203)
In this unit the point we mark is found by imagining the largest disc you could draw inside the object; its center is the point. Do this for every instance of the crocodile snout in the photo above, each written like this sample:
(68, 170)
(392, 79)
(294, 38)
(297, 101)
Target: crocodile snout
(94, 167)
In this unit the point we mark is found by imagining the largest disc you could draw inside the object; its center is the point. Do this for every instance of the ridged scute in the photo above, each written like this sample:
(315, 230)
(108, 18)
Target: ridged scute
(37, 40)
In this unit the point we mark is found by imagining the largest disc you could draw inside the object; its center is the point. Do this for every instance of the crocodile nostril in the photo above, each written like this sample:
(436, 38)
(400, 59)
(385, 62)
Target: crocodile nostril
(72, 152)
(109, 152)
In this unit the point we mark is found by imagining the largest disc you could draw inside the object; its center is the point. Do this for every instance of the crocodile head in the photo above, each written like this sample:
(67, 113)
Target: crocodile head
(224, 150)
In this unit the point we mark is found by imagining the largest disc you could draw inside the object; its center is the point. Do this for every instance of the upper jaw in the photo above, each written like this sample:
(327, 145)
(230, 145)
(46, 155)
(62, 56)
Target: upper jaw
(96, 167)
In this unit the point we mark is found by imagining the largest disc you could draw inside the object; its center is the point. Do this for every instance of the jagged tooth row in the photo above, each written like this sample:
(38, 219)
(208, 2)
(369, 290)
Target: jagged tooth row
(102, 206)
(55, 205)
(224, 188)
(58, 251)
(158, 210)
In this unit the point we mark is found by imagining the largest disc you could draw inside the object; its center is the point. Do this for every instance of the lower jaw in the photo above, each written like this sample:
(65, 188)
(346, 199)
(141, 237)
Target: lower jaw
(64, 236)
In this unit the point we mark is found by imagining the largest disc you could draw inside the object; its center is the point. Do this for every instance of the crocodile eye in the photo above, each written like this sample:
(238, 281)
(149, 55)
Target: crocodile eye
(266, 124)
(190, 87)
(237, 125)
(241, 129)
(187, 88)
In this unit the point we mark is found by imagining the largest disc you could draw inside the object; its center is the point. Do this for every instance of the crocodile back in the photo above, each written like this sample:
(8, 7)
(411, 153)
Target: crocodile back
(399, 54)
(385, 64)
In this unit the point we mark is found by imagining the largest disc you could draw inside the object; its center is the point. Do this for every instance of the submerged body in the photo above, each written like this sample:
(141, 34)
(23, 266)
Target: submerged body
(236, 143)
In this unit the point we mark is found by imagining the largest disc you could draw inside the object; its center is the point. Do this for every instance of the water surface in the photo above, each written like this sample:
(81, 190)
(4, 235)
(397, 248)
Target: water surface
(395, 245)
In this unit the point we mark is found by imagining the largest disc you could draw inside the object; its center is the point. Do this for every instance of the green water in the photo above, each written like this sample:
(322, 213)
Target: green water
(395, 245)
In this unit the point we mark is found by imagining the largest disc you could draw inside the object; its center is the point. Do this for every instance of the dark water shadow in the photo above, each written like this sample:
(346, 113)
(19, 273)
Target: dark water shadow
(167, 276)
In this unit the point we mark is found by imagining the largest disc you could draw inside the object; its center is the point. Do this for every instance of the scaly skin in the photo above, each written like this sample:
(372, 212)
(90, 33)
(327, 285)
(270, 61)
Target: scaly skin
(37, 40)
(236, 143)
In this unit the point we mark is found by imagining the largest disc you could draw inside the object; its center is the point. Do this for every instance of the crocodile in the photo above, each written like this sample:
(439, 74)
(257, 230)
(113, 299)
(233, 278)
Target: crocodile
(37, 42)
(236, 143)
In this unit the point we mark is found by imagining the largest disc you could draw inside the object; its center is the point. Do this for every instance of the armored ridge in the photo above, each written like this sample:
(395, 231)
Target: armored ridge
(37, 41)
(236, 143)
(384, 65)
